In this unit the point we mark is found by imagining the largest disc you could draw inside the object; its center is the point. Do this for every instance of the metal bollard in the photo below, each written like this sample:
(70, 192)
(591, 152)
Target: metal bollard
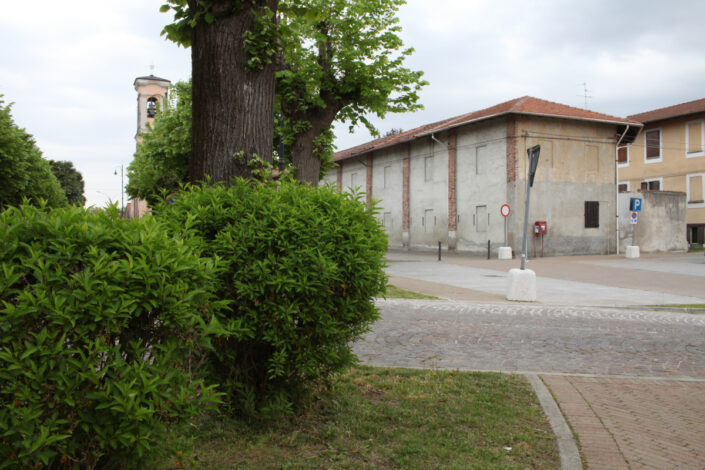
(439, 251)
(488, 249)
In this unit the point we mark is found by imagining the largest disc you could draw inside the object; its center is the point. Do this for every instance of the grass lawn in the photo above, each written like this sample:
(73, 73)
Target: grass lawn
(396, 293)
(683, 306)
(394, 418)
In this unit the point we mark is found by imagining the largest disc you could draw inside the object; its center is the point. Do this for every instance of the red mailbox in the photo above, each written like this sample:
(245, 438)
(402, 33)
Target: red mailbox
(540, 227)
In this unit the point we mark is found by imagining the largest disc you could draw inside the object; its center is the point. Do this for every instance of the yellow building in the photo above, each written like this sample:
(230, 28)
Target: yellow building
(668, 154)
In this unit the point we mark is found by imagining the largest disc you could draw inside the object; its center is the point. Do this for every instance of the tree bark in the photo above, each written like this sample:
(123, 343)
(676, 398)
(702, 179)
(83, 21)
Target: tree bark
(307, 164)
(233, 107)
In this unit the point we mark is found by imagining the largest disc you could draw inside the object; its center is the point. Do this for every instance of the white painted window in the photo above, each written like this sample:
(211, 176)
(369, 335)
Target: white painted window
(481, 160)
(652, 184)
(481, 218)
(696, 190)
(387, 177)
(623, 186)
(653, 146)
(695, 139)
(353, 181)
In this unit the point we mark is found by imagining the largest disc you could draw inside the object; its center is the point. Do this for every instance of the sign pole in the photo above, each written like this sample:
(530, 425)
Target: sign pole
(505, 232)
(533, 163)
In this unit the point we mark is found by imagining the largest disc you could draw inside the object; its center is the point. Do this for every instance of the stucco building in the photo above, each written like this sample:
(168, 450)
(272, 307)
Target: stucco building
(151, 91)
(446, 181)
(669, 155)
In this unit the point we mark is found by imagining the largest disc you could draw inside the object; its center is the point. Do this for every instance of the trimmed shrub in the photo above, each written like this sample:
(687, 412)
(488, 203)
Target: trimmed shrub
(98, 316)
(300, 267)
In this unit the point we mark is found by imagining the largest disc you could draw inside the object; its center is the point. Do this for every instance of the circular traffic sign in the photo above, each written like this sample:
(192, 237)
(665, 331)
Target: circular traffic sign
(505, 210)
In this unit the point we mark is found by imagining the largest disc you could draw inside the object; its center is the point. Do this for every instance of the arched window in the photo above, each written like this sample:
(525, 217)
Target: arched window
(151, 107)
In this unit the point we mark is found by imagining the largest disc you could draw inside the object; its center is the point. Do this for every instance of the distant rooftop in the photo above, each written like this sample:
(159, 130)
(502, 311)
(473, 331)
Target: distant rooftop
(152, 77)
(527, 105)
(678, 110)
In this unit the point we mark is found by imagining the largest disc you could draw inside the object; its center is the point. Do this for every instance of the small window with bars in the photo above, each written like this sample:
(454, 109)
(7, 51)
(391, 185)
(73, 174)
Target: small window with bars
(592, 214)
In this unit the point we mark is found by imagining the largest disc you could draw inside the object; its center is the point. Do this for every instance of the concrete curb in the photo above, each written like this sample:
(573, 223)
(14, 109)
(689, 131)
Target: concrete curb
(567, 447)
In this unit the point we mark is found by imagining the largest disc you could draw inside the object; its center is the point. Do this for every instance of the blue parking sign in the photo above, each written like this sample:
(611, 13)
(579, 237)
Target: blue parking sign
(635, 204)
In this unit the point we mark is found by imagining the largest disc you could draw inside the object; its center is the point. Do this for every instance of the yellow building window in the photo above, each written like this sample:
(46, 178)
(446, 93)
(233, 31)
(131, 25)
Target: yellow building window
(694, 138)
(653, 144)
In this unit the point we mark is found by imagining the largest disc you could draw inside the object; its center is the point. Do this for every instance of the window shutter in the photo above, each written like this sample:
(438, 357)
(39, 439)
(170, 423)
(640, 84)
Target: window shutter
(653, 144)
(592, 214)
(622, 155)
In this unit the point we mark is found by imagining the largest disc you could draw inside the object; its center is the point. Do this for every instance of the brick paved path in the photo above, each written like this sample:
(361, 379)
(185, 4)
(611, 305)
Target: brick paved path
(635, 424)
(622, 419)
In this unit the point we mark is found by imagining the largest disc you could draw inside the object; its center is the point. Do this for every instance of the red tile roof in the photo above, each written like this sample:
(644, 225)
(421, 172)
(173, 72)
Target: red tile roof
(683, 109)
(523, 105)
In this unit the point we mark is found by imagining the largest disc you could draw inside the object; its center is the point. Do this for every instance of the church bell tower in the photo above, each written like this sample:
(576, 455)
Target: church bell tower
(151, 91)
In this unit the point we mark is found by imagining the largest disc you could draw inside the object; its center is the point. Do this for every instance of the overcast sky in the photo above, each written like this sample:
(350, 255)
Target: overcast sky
(69, 65)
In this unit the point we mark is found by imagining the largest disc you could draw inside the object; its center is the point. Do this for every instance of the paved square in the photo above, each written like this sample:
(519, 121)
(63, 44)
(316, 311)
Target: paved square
(634, 423)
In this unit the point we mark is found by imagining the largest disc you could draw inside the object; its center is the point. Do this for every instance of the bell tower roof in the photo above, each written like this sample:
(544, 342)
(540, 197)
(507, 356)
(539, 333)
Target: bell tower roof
(149, 78)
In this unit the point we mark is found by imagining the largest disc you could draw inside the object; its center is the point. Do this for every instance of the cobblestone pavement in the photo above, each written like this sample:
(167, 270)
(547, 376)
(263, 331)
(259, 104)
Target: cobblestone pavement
(541, 339)
(631, 383)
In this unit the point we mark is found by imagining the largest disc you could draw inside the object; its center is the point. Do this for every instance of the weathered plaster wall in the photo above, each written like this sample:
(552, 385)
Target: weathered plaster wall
(576, 164)
(387, 190)
(481, 189)
(428, 192)
(661, 222)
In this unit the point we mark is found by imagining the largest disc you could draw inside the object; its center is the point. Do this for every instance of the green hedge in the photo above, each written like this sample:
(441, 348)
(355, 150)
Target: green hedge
(300, 267)
(100, 320)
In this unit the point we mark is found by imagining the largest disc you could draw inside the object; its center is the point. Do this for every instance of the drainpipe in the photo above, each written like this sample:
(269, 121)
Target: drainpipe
(433, 137)
(616, 183)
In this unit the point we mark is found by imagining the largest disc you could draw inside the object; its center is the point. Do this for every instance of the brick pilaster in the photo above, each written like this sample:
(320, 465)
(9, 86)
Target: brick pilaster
(340, 176)
(405, 198)
(452, 182)
(512, 138)
(368, 180)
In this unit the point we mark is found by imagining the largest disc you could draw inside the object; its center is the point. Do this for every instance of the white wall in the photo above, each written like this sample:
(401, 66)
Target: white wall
(481, 189)
(428, 192)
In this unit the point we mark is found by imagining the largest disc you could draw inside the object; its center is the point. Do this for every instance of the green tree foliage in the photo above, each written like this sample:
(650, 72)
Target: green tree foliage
(24, 174)
(71, 181)
(343, 60)
(337, 60)
(162, 157)
(300, 267)
(99, 320)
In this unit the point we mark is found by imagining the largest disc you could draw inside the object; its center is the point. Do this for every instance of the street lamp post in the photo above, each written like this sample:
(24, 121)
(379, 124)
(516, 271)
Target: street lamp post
(122, 190)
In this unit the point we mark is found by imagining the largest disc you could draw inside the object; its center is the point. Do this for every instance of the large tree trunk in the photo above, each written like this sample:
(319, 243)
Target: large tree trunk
(233, 107)
(307, 164)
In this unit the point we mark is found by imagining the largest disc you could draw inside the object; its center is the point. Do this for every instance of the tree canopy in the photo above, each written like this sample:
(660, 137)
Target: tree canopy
(336, 60)
(71, 181)
(343, 61)
(24, 174)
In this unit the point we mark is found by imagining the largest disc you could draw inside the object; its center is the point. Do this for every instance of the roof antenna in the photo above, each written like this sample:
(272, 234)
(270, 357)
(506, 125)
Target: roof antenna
(151, 68)
(586, 94)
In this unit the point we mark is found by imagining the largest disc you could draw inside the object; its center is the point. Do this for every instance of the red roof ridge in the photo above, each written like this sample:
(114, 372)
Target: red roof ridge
(676, 110)
(522, 105)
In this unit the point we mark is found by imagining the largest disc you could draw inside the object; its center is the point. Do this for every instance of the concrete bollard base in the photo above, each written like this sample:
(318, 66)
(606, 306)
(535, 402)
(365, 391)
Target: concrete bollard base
(632, 252)
(521, 285)
(505, 252)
